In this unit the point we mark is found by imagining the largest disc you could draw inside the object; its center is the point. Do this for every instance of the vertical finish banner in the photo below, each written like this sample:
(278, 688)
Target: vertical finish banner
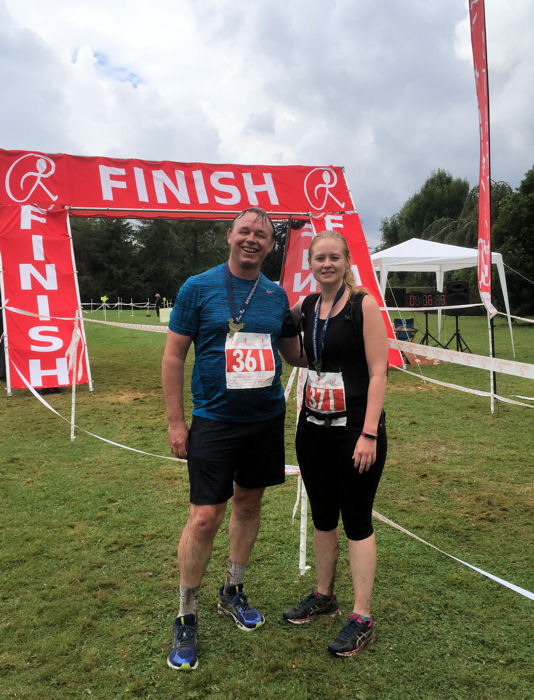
(41, 298)
(478, 42)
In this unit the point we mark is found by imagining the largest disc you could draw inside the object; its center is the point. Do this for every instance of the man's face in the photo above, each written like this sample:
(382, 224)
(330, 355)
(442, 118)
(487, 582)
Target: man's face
(250, 239)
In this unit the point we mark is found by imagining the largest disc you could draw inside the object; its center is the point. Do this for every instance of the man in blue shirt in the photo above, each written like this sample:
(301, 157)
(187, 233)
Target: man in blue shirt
(238, 320)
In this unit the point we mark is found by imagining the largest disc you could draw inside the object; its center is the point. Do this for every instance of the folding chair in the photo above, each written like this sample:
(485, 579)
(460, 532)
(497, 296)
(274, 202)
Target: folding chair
(403, 328)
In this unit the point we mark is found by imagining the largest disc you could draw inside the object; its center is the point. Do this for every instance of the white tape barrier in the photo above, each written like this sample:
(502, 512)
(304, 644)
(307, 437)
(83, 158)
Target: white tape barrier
(429, 308)
(492, 364)
(136, 326)
(383, 308)
(503, 582)
(98, 437)
(457, 387)
(290, 468)
(518, 318)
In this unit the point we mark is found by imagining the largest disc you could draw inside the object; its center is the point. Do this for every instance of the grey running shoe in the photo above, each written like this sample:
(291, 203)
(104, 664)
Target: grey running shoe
(311, 607)
(183, 655)
(354, 636)
(234, 604)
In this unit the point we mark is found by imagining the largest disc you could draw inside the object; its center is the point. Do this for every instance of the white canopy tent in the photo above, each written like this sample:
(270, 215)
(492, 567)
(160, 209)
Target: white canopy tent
(417, 255)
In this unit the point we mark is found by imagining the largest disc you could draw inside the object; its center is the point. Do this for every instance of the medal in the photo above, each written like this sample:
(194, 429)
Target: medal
(234, 327)
(318, 366)
(234, 322)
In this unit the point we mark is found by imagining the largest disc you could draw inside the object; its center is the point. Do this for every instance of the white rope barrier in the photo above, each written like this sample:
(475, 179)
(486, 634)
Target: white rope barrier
(477, 392)
(503, 582)
(517, 318)
(492, 364)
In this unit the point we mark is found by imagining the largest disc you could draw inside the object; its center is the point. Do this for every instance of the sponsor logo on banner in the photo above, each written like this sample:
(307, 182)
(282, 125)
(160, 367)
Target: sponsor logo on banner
(27, 174)
(318, 186)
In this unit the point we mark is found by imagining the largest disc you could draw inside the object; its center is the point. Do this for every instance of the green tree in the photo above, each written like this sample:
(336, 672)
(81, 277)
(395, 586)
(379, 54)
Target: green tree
(463, 230)
(170, 251)
(104, 251)
(513, 237)
(441, 197)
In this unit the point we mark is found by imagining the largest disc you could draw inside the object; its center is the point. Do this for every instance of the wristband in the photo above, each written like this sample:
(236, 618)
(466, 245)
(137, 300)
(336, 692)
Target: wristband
(369, 435)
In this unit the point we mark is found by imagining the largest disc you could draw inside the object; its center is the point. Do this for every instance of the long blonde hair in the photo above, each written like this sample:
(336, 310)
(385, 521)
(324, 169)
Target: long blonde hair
(348, 277)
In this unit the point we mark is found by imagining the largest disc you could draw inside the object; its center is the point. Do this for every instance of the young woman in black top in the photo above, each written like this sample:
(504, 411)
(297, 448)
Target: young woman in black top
(341, 435)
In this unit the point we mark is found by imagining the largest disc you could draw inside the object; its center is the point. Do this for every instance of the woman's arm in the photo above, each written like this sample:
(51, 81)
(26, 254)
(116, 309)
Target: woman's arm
(376, 353)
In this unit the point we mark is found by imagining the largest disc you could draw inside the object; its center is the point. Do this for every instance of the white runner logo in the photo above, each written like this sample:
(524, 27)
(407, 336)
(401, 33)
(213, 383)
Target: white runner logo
(318, 185)
(42, 168)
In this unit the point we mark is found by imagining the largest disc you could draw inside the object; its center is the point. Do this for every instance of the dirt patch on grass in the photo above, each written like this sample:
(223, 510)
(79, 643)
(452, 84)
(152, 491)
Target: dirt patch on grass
(414, 388)
(127, 396)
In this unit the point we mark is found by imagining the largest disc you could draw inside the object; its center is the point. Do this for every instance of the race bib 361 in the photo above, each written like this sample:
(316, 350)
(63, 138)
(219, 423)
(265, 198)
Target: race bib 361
(249, 361)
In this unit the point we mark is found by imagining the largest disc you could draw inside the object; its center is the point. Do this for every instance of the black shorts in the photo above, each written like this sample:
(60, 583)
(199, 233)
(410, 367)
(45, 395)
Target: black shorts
(333, 484)
(251, 454)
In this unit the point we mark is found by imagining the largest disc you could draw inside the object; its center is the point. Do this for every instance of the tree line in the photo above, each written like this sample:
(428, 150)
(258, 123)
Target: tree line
(134, 259)
(445, 210)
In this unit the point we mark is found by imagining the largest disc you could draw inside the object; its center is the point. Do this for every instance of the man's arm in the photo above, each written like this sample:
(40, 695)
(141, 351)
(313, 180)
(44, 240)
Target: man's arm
(172, 377)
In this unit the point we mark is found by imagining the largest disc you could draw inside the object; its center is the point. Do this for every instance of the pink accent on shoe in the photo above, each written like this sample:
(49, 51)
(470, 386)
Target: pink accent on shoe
(355, 616)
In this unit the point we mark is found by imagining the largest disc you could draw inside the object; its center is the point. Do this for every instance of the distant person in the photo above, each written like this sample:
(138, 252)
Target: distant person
(159, 302)
(238, 320)
(341, 435)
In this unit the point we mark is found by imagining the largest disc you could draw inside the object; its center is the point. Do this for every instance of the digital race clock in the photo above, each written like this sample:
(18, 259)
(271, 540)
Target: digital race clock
(425, 299)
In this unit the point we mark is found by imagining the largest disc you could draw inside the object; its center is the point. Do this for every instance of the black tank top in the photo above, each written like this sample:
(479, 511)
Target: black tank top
(343, 351)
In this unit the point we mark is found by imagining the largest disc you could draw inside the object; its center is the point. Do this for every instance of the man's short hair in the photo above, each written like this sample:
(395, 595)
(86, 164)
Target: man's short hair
(261, 213)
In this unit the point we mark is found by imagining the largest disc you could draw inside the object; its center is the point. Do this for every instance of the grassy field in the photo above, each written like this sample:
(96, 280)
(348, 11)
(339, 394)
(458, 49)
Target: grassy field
(88, 576)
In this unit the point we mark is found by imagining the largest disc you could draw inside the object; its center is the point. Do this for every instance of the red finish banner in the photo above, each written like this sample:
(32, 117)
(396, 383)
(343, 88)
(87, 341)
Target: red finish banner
(38, 280)
(93, 186)
(298, 281)
(478, 42)
(37, 188)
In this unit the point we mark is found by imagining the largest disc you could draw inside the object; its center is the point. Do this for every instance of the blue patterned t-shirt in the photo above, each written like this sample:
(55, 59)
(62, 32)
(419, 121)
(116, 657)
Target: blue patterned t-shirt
(201, 311)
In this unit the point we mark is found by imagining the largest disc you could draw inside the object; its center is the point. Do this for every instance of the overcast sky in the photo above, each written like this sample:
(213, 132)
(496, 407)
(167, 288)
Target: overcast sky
(383, 87)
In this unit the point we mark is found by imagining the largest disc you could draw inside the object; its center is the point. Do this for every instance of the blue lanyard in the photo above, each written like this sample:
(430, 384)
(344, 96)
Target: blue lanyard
(237, 315)
(318, 343)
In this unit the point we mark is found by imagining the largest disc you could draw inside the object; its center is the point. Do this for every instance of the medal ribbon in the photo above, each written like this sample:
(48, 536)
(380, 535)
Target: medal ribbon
(318, 343)
(237, 315)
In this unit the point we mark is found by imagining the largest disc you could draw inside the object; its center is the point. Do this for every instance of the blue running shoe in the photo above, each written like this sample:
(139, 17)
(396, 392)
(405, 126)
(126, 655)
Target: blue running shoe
(183, 655)
(234, 603)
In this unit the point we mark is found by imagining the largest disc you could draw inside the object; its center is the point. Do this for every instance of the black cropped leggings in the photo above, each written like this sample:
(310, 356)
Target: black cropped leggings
(333, 484)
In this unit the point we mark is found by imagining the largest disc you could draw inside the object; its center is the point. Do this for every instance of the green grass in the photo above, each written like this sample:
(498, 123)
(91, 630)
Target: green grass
(88, 582)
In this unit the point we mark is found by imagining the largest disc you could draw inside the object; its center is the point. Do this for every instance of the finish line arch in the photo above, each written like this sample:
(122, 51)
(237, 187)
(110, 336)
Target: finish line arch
(43, 325)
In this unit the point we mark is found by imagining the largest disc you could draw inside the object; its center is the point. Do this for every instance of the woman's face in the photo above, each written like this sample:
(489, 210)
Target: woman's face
(328, 262)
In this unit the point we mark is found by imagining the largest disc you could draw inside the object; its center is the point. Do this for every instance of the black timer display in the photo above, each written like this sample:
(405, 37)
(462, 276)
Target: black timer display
(421, 300)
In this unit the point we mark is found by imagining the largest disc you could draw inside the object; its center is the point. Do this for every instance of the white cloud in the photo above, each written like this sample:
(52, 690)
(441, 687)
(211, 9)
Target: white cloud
(385, 89)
